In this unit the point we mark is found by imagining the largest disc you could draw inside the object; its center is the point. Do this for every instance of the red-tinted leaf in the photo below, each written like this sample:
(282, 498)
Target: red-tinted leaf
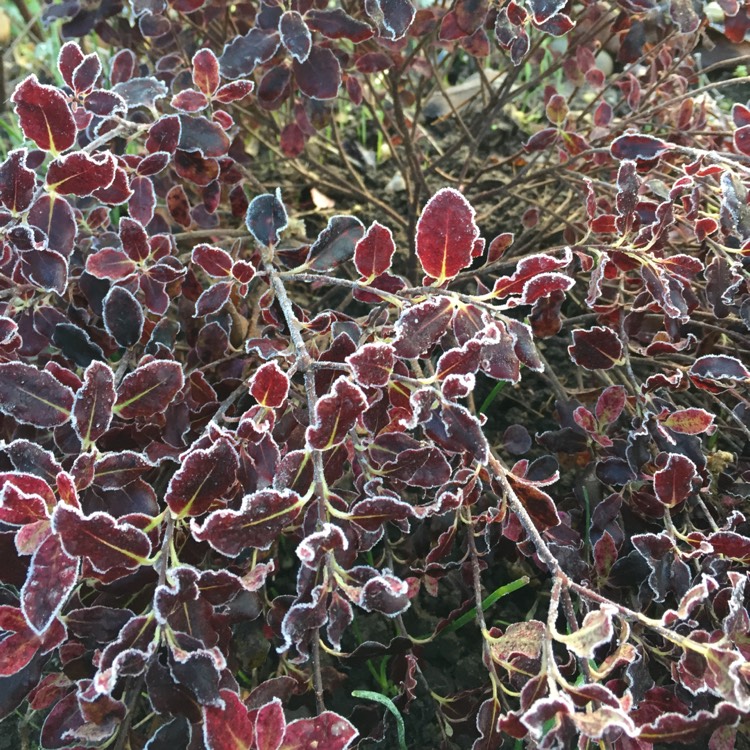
(374, 252)
(92, 409)
(68, 60)
(80, 174)
(595, 348)
(257, 524)
(205, 477)
(189, 101)
(17, 182)
(542, 140)
(315, 546)
(335, 414)
(44, 115)
(117, 192)
(446, 233)
(106, 542)
(234, 91)
(638, 147)
(164, 135)
(206, 71)
(335, 23)
(86, 73)
(610, 404)
(327, 731)
(110, 264)
(269, 385)
(691, 421)
(527, 270)
(372, 364)
(213, 299)
(142, 201)
(319, 76)
(266, 218)
(123, 316)
(134, 239)
(33, 396)
(227, 727)
(421, 326)
(52, 576)
(149, 389)
(336, 243)
(673, 483)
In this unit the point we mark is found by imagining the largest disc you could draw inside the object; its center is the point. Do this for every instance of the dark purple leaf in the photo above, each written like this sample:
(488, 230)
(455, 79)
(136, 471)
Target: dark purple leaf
(595, 348)
(266, 218)
(319, 76)
(638, 147)
(295, 35)
(243, 53)
(52, 576)
(336, 243)
(123, 316)
(17, 182)
(33, 396)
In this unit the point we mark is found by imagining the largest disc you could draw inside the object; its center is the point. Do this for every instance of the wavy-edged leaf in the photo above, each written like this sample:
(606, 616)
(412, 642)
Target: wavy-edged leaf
(257, 524)
(103, 540)
(205, 477)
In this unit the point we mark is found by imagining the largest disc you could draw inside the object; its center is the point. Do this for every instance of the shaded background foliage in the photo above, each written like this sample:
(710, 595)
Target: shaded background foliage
(338, 340)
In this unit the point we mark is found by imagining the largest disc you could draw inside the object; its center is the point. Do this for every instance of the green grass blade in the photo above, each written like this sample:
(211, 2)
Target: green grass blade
(391, 706)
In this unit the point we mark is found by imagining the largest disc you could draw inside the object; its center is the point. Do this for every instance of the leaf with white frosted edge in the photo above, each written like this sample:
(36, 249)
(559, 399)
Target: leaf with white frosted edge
(257, 524)
(314, 546)
(52, 576)
(33, 396)
(149, 389)
(205, 476)
(674, 482)
(327, 731)
(595, 631)
(92, 408)
(266, 217)
(446, 234)
(335, 414)
(105, 541)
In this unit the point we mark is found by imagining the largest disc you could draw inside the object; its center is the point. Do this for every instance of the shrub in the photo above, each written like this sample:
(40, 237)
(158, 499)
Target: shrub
(259, 455)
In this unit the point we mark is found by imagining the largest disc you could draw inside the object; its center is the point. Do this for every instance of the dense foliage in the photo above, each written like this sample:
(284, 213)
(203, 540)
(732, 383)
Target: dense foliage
(271, 473)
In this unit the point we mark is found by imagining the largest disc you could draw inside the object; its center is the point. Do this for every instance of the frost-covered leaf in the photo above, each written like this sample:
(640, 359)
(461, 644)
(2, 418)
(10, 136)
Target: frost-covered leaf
(446, 235)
